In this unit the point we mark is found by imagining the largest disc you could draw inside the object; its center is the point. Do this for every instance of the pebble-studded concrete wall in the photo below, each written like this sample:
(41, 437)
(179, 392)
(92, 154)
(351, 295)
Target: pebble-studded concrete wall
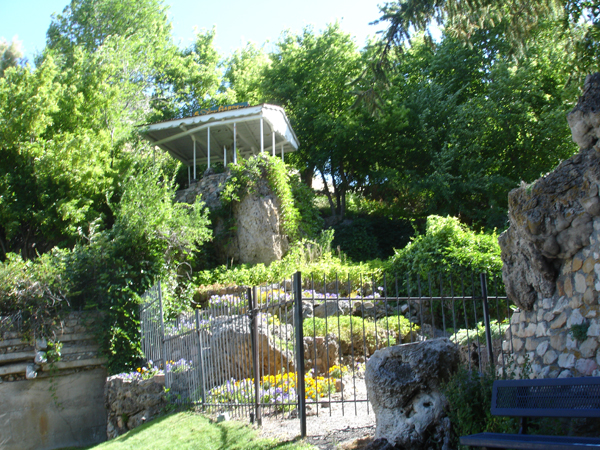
(560, 336)
(551, 256)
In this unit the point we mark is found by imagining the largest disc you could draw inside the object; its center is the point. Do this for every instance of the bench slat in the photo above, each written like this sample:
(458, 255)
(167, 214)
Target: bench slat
(565, 397)
(526, 441)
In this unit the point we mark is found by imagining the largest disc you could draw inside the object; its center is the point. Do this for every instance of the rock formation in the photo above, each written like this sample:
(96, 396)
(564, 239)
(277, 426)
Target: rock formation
(257, 222)
(551, 220)
(258, 236)
(403, 386)
(551, 255)
(230, 339)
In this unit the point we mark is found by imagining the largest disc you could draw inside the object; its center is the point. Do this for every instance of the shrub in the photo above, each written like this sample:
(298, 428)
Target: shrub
(311, 257)
(350, 330)
(446, 261)
(108, 269)
(462, 336)
(370, 237)
(35, 290)
(469, 396)
(450, 247)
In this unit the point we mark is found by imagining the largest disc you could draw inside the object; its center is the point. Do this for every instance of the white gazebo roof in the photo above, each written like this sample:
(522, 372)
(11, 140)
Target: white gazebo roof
(210, 138)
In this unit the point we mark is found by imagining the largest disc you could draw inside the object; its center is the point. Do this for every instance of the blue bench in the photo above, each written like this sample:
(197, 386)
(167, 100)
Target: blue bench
(557, 397)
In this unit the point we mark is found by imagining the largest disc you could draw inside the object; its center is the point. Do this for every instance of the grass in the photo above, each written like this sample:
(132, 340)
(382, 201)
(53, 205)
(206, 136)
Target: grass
(186, 430)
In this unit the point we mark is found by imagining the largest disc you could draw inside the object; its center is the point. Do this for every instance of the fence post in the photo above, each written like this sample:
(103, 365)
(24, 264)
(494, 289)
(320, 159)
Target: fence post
(486, 318)
(300, 371)
(252, 294)
(201, 359)
(163, 356)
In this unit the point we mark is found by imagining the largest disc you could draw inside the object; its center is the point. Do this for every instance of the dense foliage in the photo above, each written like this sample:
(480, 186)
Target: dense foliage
(406, 128)
(448, 246)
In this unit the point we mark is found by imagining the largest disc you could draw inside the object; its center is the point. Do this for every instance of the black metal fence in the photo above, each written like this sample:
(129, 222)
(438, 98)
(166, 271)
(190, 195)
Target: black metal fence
(302, 344)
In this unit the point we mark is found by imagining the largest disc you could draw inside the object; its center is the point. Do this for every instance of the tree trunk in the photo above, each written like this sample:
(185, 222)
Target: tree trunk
(306, 176)
(327, 193)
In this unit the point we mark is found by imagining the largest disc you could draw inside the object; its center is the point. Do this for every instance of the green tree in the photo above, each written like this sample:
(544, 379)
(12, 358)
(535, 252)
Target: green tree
(11, 54)
(309, 76)
(519, 20)
(475, 122)
(243, 73)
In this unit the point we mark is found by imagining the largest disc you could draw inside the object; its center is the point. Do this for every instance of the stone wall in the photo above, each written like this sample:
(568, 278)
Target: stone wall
(130, 402)
(551, 256)
(52, 405)
(544, 335)
(209, 187)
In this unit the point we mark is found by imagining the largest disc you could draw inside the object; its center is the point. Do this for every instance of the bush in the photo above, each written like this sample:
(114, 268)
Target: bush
(365, 238)
(311, 257)
(34, 290)
(450, 247)
(350, 331)
(469, 396)
(108, 269)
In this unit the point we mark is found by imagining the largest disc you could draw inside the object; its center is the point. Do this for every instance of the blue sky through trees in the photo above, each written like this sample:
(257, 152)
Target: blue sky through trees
(237, 21)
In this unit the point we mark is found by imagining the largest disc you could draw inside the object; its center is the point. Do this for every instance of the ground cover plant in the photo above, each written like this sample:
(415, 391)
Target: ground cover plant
(276, 390)
(464, 336)
(187, 430)
(360, 336)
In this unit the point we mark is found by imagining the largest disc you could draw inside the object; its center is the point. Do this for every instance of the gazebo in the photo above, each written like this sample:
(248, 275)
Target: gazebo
(225, 134)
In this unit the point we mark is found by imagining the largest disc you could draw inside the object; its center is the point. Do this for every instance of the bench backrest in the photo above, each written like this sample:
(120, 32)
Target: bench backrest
(557, 397)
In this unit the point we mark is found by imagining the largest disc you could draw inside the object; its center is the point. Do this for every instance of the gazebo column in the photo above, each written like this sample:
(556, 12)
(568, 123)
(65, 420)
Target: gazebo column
(224, 156)
(262, 137)
(208, 147)
(194, 139)
(234, 143)
(273, 151)
(282, 158)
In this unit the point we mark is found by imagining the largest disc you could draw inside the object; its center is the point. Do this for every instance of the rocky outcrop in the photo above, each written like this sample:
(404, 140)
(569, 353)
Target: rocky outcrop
(258, 236)
(551, 220)
(551, 255)
(403, 386)
(209, 188)
(230, 340)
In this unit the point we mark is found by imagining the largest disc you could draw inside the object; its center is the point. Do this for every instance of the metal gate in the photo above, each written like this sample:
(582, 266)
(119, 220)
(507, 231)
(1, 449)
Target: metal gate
(302, 345)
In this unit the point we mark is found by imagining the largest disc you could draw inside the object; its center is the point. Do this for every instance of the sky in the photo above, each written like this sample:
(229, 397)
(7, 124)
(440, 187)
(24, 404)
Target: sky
(237, 21)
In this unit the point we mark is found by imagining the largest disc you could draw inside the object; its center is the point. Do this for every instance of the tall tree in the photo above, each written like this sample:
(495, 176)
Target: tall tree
(476, 123)
(243, 73)
(11, 54)
(518, 19)
(310, 75)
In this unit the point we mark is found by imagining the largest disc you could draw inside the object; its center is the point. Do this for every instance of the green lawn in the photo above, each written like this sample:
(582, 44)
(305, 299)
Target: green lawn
(186, 430)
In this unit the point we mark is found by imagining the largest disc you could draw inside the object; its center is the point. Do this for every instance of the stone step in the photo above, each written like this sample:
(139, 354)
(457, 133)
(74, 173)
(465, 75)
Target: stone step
(61, 365)
(13, 369)
(17, 356)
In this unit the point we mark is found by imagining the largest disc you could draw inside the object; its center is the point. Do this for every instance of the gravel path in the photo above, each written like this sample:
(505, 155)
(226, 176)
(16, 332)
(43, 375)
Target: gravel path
(332, 427)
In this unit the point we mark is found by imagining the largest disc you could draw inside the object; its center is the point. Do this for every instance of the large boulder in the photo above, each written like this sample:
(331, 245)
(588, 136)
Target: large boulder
(403, 384)
(321, 353)
(258, 237)
(230, 350)
(552, 219)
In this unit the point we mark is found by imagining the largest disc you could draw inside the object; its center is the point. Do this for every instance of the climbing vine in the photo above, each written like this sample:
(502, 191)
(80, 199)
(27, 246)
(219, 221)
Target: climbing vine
(246, 178)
